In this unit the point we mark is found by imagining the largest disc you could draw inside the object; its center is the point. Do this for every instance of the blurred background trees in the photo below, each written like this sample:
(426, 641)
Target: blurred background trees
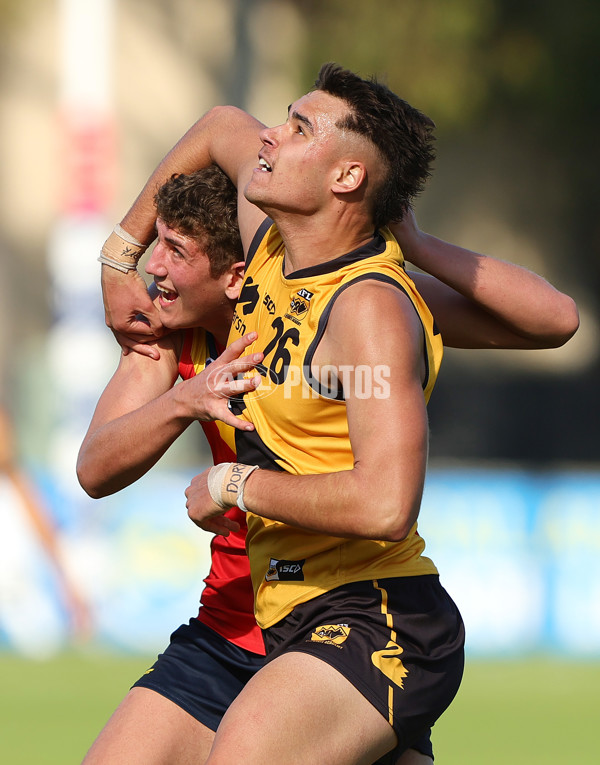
(512, 87)
(514, 90)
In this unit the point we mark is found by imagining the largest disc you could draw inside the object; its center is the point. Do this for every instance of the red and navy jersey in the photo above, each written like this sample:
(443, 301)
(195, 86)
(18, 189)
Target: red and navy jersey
(227, 601)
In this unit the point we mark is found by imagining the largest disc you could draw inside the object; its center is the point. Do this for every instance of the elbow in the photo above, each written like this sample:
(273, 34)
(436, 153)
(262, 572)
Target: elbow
(219, 114)
(570, 321)
(396, 520)
(565, 323)
(220, 118)
(398, 532)
(88, 481)
(394, 503)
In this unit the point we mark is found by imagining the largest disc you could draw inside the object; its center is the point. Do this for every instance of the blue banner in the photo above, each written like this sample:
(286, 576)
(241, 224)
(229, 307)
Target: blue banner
(519, 552)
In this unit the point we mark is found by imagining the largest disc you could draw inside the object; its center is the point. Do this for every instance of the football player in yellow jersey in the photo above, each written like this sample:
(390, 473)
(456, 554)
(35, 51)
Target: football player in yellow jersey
(318, 180)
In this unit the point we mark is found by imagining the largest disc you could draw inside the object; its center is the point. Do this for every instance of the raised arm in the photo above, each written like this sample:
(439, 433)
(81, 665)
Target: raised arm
(225, 136)
(482, 302)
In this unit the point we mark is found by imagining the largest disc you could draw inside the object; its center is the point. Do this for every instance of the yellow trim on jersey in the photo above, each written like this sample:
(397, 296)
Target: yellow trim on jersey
(302, 428)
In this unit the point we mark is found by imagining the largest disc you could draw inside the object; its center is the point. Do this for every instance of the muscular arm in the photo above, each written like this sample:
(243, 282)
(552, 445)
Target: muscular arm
(135, 421)
(141, 412)
(225, 136)
(481, 302)
(380, 497)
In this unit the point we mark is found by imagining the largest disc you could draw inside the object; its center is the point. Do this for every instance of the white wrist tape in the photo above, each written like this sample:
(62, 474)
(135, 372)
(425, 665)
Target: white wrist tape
(124, 267)
(120, 231)
(121, 250)
(226, 484)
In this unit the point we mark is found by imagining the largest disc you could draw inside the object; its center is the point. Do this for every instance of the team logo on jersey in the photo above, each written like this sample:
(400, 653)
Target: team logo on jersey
(330, 634)
(249, 296)
(388, 661)
(285, 571)
(299, 305)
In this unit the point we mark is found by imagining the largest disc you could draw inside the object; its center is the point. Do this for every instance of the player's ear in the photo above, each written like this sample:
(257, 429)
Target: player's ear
(349, 177)
(234, 278)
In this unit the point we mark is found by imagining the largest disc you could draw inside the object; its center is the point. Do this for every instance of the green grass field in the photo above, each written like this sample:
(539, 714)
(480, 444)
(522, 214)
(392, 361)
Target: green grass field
(534, 712)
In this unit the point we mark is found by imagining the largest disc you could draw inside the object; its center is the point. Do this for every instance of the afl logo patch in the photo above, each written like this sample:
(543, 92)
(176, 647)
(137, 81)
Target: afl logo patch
(300, 303)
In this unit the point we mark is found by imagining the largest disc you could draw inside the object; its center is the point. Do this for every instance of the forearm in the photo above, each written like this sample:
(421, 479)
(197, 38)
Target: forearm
(117, 452)
(524, 302)
(211, 140)
(124, 294)
(188, 155)
(141, 411)
(348, 504)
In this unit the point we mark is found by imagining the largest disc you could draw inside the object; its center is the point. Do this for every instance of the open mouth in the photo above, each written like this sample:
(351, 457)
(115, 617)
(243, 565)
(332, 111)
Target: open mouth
(166, 296)
(264, 165)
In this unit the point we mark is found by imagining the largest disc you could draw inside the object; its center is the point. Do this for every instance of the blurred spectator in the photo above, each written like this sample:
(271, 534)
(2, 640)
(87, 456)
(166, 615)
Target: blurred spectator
(38, 521)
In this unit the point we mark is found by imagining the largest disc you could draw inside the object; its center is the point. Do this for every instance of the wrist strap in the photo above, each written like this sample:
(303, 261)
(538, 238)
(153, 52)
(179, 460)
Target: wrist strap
(226, 484)
(121, 250)
(124, 267)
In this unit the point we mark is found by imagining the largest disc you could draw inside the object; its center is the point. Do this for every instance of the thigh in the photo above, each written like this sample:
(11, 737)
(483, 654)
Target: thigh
(201, 672)
(148, 729)
(398, 641)
(299, 710)
(170, 714)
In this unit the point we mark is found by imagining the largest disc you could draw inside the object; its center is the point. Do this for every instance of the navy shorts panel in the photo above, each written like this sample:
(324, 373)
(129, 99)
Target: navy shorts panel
(423, 745)
(201, 672)
(399, 641)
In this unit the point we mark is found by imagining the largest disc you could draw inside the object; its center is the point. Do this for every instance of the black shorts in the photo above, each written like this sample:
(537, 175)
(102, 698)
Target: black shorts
(399, 641)
(201, 672)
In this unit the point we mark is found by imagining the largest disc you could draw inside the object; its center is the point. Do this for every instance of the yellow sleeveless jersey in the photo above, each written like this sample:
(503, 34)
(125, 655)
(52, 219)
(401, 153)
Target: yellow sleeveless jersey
(301, 426)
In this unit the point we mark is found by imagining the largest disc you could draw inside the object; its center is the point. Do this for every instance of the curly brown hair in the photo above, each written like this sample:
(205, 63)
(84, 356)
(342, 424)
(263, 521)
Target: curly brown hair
(402, 134)
(203, 206)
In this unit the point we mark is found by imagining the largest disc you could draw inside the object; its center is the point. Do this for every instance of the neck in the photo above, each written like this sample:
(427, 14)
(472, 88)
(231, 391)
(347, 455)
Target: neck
(310, 240)
(220, 323)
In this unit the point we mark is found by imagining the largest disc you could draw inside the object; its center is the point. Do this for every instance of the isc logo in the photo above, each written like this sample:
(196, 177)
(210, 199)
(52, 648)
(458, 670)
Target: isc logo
(285, 571)
(290, 568)
(269, 304)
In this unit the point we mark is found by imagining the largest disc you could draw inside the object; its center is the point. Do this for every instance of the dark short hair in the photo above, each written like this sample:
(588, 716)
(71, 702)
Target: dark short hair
(203, 206)
(402, 134)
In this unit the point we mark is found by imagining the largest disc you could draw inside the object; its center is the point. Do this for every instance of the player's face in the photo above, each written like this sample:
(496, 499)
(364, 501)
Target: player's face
(188, 296)
(299, 157)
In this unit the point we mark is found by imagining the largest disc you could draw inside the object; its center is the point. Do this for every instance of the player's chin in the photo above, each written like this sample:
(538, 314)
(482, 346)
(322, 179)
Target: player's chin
(171, 318)
(179, 322)
(254, 187)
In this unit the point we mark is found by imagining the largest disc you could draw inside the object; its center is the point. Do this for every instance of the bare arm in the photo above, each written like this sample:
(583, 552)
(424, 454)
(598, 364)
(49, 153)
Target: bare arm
(141, 412)
(380, 497)
(225, 136)
(481, 302)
